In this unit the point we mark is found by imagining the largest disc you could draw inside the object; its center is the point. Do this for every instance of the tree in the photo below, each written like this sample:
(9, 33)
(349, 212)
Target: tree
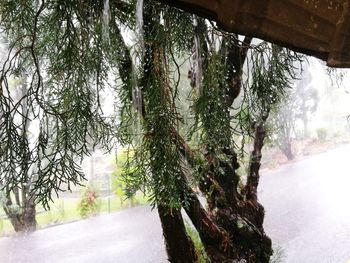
(282, 122)
(305, 98)
(71, 52)
(18, 202)
(304, 101)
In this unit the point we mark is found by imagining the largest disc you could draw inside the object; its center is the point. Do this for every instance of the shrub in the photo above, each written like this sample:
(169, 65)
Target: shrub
(89, 203)
(119, 178)
(321, 134)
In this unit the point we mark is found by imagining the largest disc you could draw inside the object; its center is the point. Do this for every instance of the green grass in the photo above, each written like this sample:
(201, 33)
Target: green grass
(193, 234)
(5, 226)
(66, 210)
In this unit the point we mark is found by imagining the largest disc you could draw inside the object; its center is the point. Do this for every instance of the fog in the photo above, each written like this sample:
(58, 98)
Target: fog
(334, 98)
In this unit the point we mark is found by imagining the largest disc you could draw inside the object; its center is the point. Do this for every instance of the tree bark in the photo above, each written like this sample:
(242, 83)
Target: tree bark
(29, 215)
(179, 246)
(255, 161)
(25, 220)
(235, 217)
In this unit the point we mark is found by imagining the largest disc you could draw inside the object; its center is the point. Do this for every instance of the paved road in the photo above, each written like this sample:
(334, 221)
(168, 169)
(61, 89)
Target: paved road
(308, 207)
(130, 236)
(307, 214)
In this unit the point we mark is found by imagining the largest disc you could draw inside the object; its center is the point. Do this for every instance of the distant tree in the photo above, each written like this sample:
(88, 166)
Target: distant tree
(305, 99)
(19, 201)
(282, 125)
(298, 103)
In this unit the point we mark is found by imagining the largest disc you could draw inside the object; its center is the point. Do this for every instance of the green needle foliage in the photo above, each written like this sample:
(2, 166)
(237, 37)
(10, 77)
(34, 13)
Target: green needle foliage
(71, 57)
(73, 53)
(60, 47)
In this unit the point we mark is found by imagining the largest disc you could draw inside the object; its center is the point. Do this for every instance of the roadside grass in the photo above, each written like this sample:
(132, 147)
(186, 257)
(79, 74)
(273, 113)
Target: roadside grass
(66, 210)
(192, 232)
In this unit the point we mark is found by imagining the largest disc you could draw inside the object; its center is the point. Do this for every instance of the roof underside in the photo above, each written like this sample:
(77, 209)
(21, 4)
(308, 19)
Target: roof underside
(320, 28)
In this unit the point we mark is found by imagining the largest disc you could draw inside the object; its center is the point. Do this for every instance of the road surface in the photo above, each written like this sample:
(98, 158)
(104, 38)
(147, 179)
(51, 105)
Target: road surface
(130, 236)
(307, 214)
(307, 207)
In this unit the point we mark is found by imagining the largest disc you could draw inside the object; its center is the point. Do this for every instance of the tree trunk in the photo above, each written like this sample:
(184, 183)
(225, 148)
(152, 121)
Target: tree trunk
(29, 216)
(24, 222)
(25, 219)
(287, 151)
(179, 246)
(232, 228)
(306, 126)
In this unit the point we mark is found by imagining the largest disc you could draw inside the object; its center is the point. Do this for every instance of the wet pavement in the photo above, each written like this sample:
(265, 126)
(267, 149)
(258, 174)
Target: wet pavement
(307, 207)
(307, 213)
(129, 236)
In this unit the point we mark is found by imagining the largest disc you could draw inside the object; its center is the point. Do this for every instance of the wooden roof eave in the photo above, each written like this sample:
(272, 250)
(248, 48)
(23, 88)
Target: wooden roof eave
(317, 28)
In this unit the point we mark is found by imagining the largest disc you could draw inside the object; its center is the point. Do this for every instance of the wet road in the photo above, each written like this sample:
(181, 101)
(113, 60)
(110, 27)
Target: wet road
(307, 214)
(130, 236)
(308, 208)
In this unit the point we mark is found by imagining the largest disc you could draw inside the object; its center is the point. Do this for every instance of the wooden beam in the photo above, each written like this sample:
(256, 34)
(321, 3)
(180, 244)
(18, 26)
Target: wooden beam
(317, 28)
